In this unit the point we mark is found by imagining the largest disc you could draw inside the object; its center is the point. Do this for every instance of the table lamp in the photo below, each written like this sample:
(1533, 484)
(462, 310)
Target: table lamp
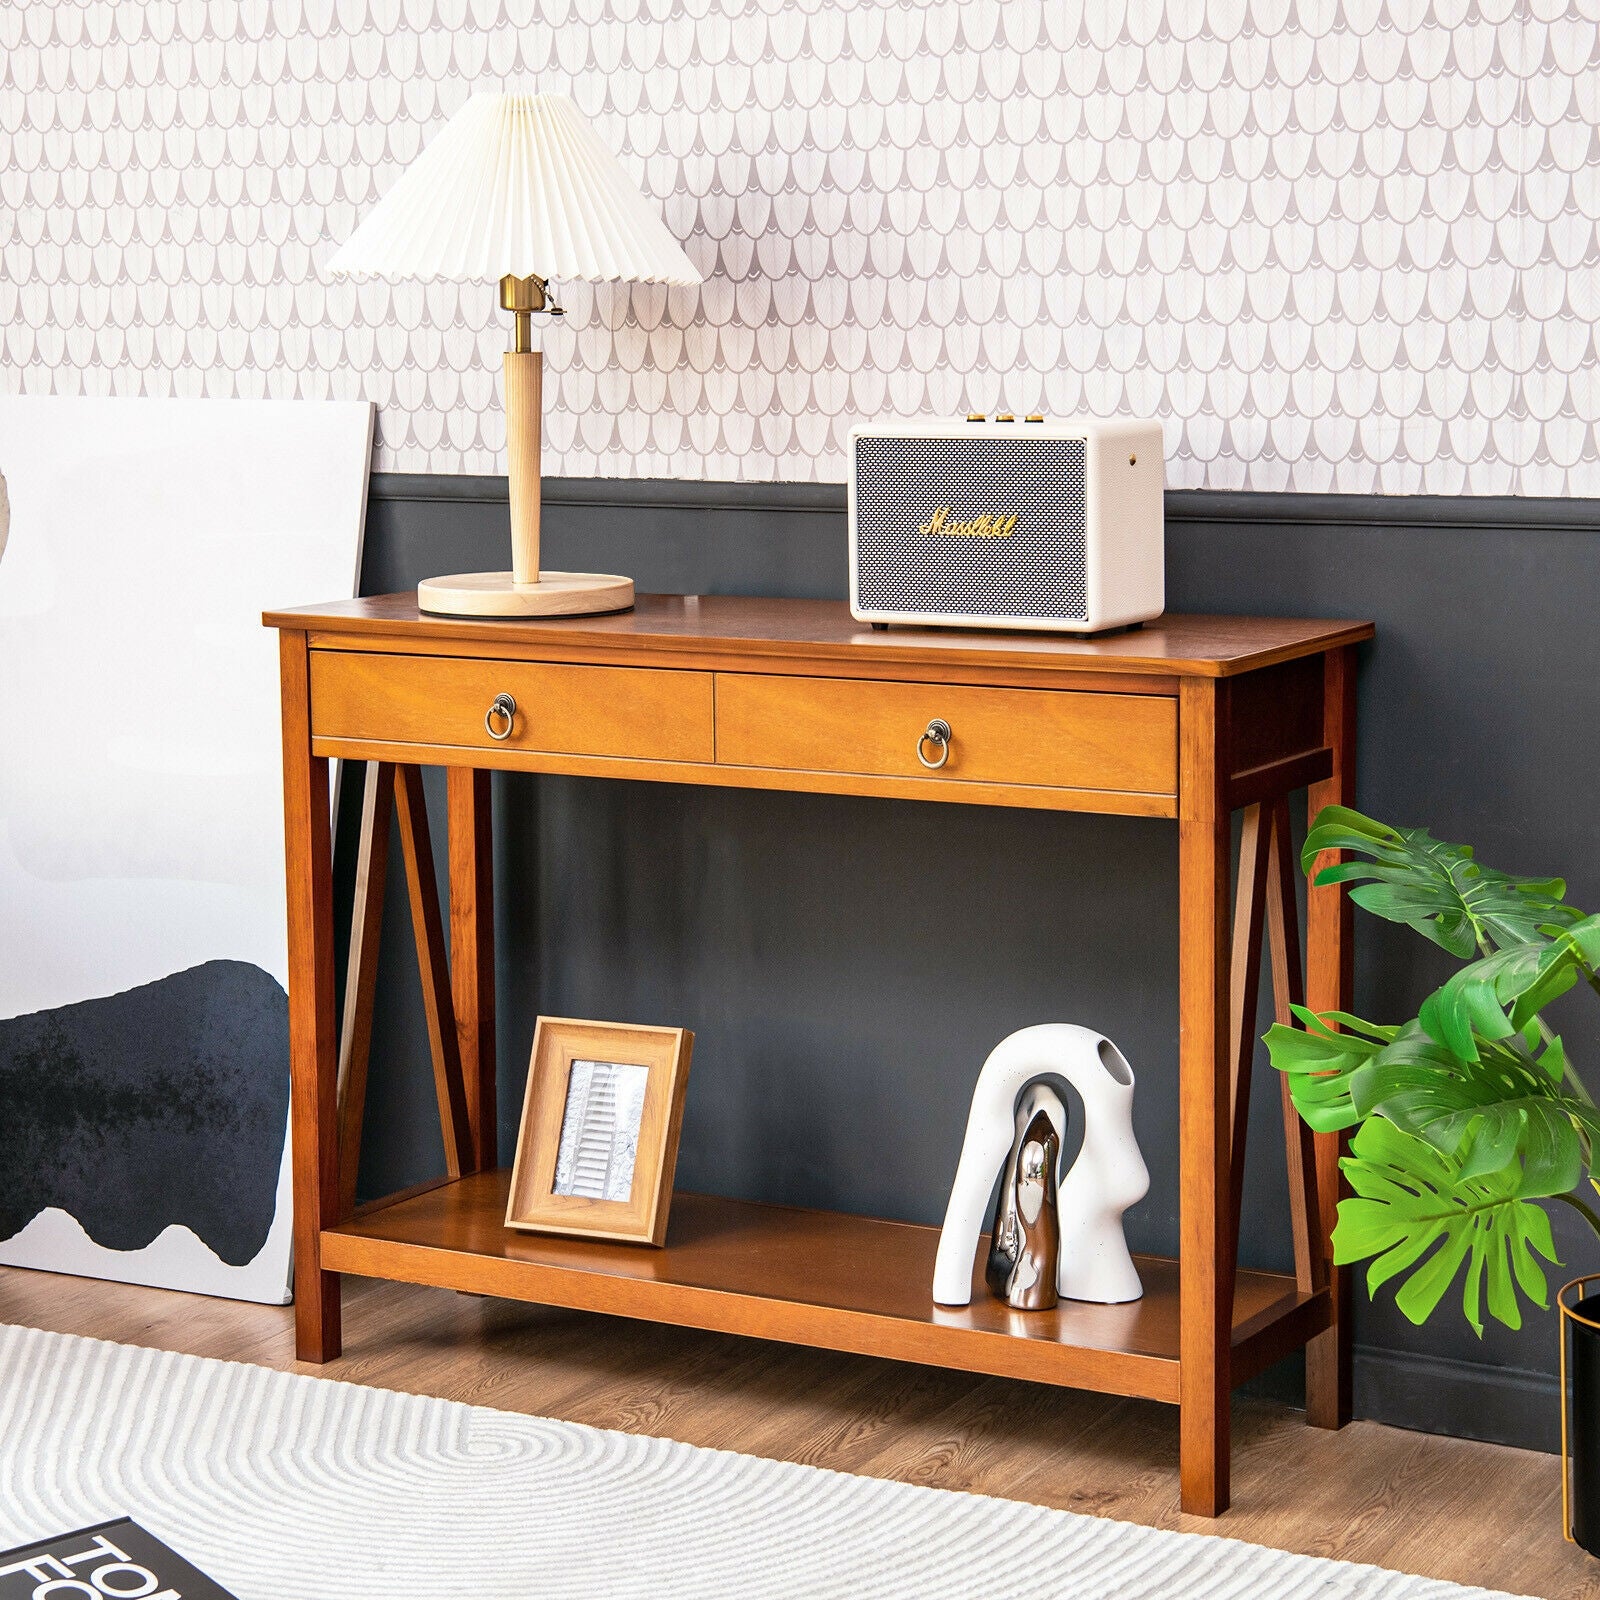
(520, 188)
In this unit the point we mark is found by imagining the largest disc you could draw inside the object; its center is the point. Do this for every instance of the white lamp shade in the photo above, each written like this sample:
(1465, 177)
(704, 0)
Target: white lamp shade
(519, 185)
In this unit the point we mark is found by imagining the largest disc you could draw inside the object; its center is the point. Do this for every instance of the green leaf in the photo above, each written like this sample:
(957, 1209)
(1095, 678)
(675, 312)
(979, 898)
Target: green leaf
(1410, 1201)
(1484, 1114)
(1344, 828)
(1320, 1061)
(1501, 994)
(1410, 877)
(1475, 999)
(1585, 937)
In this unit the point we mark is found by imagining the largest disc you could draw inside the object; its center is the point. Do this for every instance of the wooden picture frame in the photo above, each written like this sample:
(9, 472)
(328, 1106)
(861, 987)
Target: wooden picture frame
(599, 1137)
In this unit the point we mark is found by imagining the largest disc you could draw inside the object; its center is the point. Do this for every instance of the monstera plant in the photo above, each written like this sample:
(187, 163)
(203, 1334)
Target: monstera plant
(1469, 1117)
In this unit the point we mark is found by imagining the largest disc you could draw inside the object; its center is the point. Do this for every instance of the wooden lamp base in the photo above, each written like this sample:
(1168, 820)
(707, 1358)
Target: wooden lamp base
(498, 594)
(525, 591)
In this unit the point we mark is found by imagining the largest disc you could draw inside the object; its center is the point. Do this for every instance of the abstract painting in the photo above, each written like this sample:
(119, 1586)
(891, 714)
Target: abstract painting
(144, 1084)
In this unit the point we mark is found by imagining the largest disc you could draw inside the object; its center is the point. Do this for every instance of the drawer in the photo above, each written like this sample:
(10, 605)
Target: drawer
(1036, 737)
(442, 701)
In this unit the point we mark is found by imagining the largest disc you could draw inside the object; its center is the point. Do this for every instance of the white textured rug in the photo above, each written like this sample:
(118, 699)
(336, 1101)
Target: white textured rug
(290, 1488)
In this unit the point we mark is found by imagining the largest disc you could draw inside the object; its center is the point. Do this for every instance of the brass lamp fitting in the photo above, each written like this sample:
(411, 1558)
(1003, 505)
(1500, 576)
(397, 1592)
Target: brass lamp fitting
(522, 297)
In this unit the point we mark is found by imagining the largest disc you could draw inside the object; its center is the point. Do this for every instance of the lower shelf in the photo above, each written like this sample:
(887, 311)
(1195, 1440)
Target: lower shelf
(809, 1277)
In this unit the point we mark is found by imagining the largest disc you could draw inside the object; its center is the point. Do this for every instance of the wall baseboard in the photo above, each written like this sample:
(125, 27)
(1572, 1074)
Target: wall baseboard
(1439, 1394)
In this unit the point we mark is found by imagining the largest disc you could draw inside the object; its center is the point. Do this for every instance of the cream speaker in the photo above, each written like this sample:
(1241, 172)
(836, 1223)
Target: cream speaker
(1004, 524)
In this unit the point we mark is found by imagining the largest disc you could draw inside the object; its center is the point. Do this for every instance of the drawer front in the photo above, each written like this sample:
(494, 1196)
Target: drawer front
(586, 711)
(1035, 737)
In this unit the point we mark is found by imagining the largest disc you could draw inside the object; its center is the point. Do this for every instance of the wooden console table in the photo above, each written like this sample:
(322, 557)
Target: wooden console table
(1191, 718)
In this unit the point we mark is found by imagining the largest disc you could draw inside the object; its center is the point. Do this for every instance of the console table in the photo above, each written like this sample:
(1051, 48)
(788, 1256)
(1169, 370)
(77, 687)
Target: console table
(1189, 718)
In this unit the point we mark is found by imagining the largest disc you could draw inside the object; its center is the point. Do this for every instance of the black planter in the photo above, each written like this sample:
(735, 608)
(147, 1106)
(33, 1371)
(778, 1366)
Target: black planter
(1580, 1432)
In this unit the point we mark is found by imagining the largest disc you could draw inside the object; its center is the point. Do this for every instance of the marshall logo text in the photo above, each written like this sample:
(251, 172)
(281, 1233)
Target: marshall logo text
(978, 528)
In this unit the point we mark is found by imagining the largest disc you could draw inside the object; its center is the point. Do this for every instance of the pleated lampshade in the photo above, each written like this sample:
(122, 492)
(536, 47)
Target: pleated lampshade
(516, 185)
(520, 188)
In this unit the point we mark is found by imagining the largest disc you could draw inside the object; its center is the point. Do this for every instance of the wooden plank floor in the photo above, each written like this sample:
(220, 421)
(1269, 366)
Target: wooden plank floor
(1445, 1508)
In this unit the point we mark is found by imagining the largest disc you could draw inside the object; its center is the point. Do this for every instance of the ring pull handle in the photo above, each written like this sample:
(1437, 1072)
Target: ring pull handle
(937, 733)
(501, 717)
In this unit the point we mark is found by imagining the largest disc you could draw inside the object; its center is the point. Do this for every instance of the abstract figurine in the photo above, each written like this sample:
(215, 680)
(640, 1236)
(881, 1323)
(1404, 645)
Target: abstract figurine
(1109, 1175)
(1025, 1238)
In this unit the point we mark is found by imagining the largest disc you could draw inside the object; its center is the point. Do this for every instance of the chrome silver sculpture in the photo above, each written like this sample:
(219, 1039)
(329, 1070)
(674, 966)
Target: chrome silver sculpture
(1109, 1175)
(1025, 1238)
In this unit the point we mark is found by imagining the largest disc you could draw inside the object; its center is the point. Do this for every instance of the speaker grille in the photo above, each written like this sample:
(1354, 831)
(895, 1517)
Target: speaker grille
(1037, 570)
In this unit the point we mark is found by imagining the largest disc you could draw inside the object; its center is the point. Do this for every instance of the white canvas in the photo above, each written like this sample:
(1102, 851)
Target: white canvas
(141, 830)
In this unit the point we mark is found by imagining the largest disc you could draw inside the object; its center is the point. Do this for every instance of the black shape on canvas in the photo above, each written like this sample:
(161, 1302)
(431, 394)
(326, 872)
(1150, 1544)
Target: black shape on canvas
(164, 1104)
(126, 1558)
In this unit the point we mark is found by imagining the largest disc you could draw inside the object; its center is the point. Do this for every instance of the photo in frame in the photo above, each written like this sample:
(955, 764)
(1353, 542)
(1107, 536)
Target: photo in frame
(599, 1135)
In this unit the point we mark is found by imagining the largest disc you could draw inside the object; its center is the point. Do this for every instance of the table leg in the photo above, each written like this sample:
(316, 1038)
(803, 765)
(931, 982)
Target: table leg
(1244, 987)
(433, 968)
(472, 951)
(1329, 981)
(1289, 991)
(313, 1027)
(1206, 1268)
(361, 979)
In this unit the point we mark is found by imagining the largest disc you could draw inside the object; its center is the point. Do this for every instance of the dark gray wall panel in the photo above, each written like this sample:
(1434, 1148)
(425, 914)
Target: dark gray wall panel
(1477, 705)
(847, 963)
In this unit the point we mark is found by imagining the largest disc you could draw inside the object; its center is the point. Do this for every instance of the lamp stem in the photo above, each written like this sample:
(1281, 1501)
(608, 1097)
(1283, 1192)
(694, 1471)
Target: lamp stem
(524, 381)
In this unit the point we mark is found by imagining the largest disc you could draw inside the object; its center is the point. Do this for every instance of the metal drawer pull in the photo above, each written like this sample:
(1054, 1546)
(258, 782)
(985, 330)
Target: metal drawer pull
(937, 733)
(504, 709)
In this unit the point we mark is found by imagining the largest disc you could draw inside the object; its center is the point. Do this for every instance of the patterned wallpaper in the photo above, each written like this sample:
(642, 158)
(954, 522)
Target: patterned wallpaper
(1334, 244)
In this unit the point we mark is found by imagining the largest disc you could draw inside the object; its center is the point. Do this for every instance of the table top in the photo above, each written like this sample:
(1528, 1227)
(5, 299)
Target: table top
(733, 625)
